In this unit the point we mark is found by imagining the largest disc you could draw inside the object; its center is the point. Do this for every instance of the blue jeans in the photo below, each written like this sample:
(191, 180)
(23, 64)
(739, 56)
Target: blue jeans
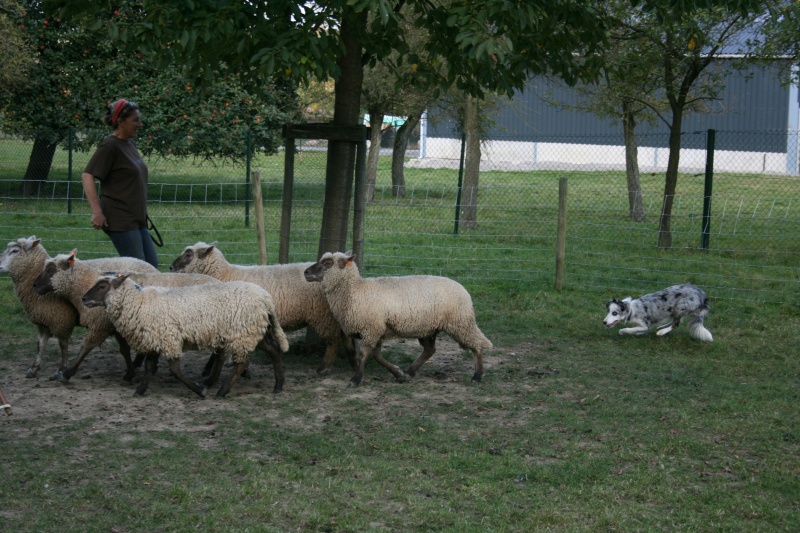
(135, 243)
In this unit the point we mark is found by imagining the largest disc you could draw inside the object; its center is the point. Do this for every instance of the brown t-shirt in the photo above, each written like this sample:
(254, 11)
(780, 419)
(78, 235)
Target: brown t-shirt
(123, 177)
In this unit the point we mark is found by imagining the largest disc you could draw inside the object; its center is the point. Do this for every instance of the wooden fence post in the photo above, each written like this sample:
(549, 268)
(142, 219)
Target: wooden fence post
(258, 205)
(561, 232)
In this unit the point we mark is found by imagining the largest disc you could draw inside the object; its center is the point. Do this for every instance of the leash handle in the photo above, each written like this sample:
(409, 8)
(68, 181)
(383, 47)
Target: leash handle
(152, 227)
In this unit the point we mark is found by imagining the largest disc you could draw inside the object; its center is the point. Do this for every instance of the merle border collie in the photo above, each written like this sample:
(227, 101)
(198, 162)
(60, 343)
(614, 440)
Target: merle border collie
(663, 309)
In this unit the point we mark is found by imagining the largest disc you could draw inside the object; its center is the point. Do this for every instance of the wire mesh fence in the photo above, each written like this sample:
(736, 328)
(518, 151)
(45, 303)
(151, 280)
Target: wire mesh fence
(751, 252)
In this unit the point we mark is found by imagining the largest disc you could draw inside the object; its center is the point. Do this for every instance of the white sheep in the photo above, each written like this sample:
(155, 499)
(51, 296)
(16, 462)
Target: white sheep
(298, 304)
(376, 309)
(70, 278)
(53, 316)
(230, 318)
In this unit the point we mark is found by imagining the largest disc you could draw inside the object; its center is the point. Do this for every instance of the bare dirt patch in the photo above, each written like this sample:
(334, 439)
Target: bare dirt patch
(98, 396)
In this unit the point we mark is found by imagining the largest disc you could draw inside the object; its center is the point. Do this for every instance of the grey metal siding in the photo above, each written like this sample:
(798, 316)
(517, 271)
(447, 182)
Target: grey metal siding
(754, 100)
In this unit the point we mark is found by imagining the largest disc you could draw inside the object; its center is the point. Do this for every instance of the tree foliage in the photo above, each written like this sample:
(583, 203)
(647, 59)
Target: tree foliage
(476, 45)
(17, 53)
(79, 71)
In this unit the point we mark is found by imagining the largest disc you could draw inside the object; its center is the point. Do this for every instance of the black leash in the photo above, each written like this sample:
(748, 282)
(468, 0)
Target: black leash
(152, 227)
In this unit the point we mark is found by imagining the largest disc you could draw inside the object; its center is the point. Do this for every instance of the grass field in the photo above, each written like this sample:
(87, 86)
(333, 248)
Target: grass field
(574, 428)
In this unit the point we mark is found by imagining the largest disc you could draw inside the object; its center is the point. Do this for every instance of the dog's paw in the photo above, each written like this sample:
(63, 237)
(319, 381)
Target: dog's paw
(664, 331)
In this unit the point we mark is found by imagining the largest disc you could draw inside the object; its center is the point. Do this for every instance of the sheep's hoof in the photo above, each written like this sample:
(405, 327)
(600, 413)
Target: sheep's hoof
(202, 392)
(128, 378)
(138, 392)
(411, 372)
(476, 378)
(355, 381)
(31, 373)
(323, 371)
(402, 377)
(62, 377)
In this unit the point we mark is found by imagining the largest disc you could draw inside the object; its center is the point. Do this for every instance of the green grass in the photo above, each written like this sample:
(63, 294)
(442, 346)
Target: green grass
(574, 429)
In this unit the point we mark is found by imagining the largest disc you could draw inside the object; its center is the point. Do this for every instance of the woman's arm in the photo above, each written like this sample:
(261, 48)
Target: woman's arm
(90, 189)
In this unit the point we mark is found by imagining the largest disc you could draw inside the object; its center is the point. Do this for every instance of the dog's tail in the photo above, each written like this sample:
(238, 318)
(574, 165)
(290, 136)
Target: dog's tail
(696, 328)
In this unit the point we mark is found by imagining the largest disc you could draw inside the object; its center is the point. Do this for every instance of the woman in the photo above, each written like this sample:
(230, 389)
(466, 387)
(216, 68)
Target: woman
(121, 211)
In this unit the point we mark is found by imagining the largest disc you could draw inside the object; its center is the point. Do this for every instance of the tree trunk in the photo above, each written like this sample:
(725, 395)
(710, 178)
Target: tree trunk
(39, 164)
(399, 153)
(635, 200)
(342, 155)
(673, 162)
(376, 115)
(472, 166)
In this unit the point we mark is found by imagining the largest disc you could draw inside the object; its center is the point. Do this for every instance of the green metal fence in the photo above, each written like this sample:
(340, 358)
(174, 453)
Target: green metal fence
(741, 242)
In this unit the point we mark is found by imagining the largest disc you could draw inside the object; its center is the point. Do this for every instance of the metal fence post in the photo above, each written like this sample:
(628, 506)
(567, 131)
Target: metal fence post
(69, 172)
(561, 233)
(360, 203)
(248, 158)
(710, 141)
(460, 181)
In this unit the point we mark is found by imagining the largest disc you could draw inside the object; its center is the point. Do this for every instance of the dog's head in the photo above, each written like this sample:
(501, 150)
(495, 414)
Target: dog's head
(617, 310)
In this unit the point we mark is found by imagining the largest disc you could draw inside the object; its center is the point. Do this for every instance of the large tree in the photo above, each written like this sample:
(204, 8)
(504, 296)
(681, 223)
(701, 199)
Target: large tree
(487, 45)
(78, 70)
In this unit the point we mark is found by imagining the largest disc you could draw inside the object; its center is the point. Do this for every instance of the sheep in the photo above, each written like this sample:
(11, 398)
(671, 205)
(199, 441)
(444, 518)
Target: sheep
(231, 318)
(53, 316)
(297, 303)
(70, 278)
(376, 309)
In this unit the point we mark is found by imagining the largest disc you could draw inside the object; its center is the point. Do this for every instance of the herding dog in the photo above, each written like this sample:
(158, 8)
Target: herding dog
(663, 309)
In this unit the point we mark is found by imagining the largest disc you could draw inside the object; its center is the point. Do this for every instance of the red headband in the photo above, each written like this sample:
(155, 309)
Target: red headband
(121, 103)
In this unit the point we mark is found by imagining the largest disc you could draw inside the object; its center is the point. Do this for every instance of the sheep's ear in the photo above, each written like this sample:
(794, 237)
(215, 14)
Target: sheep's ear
(121, 277)
(349, 259)
(33, 242)
(207, 250)
(73, 255)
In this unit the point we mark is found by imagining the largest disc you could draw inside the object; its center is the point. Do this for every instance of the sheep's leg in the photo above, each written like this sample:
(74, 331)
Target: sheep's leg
(140, 358)
(478, 356)
(41, 346)
(331, 349)
(63, 376)
(350, 351)
(277, 363)
(212, 360)
(394, 369)
(428, 349)
(363, 352)
(215, 361)
(125, 350)
(150, 361)
(277, 366)
(175, 369)
(238, 368)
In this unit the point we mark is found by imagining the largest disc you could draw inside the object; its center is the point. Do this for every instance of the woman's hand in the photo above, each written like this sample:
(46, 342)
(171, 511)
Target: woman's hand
(99, 220)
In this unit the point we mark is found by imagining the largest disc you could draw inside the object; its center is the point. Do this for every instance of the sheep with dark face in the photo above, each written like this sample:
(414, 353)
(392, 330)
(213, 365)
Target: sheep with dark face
(52, 315)
(70, 278)
(298, 304)
(229, 318)
(376, 309)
